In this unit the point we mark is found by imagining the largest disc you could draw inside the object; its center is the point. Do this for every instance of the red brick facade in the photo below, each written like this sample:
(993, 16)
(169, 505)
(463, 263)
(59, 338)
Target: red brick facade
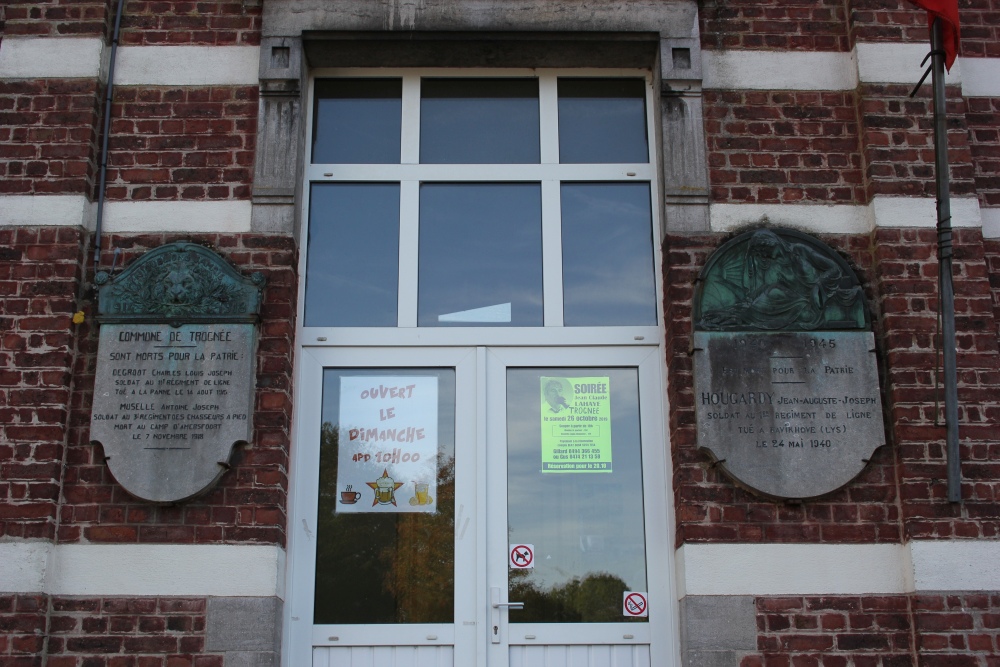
(783, 147)
(58, 18)
(187, 143)
(106, 632)
(48, 136)
(945, 630)
(175, 22)
(40, 275)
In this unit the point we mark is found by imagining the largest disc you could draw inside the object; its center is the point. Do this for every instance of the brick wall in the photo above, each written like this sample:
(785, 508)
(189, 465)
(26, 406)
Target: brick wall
(48, 136)
(783, 147)
(959, 629)
(816, 25)
(980, 28)
(57, 18)
(248, 505)
(22, 629)
(833, 631)
(887, 21)
(898, 142)
(112, 632)
(173, 22)
(39, 280)
(907, 266)
(991, 255)
(190, 143)
(983, 119)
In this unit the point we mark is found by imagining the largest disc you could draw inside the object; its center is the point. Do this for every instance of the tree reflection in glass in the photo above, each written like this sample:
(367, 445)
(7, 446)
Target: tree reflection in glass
(587, 528)
(385, 568)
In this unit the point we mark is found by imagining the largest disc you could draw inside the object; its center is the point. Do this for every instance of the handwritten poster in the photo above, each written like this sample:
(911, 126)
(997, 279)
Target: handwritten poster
(388, 444)
(576, 424)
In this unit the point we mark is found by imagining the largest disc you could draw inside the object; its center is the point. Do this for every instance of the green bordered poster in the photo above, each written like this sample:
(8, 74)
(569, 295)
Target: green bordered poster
(576, 424)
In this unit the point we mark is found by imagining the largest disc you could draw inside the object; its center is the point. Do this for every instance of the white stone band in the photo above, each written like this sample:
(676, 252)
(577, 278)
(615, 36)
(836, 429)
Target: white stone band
(911, 212)
(779, 70)
(991, 223)
(44, 210)
(222, 216)
(142, 569)
(50, 58)
(829, 70)
(228, 216)
(838, 569)
(187, 66)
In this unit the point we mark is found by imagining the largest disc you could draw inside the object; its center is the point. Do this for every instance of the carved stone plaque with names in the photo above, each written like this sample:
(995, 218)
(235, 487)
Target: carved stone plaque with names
(173, 392)
(792, 415)
(787, 394)
(170, 403)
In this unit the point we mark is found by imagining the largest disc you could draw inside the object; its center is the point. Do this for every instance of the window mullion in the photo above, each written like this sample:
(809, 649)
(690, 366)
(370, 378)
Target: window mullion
(548, 112)
(552, 288)
(409, 242)
(410, 150)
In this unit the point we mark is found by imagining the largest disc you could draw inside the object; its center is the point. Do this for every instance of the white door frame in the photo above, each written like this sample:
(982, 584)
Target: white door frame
(301, 635)
(662, 614)
(480, 531)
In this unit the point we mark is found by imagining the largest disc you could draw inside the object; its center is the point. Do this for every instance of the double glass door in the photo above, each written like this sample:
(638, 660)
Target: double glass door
(480, 506)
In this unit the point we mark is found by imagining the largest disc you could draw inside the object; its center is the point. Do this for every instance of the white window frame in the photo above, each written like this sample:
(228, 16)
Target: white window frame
(548, 172)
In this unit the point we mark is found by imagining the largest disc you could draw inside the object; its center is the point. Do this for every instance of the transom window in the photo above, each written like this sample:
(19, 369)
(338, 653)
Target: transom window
(518, 199)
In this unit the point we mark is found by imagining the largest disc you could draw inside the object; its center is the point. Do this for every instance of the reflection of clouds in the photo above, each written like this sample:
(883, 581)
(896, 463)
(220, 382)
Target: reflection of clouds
(554, 511)
(595, 128)
(480, 245)
(608, 253)
(452, 130)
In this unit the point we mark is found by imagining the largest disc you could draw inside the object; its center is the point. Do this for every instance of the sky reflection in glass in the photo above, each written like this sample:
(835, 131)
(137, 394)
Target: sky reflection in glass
(353, 263)
(584, 526)
(607, 241)
(357, 121)
(479, 121)
(602, 121)
(480, 247)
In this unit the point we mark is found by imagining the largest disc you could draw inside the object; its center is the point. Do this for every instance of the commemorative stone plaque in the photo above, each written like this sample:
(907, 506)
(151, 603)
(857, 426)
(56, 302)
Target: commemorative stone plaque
(175, 370)
(786, 385)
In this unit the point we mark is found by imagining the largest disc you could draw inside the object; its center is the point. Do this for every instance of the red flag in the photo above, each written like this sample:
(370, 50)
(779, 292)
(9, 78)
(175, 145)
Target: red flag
(947, 11)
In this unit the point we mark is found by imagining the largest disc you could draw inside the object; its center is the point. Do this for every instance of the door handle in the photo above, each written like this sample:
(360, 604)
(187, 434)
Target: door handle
(509, 605)
(495, 613)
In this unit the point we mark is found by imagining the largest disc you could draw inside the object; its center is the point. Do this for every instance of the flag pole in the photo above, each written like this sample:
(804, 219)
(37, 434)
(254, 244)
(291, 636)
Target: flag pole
(947, 290)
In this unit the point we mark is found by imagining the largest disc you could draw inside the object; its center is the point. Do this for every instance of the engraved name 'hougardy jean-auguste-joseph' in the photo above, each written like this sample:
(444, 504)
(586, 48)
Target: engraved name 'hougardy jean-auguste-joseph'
(733, 398)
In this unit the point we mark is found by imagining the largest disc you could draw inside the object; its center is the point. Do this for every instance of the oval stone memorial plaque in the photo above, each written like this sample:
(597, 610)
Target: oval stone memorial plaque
(792, 415)
(175, 375)
(786, 386)
(170, 403)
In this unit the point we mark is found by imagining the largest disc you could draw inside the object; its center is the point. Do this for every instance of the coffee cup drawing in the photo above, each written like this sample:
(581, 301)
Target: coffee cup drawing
(349, 497)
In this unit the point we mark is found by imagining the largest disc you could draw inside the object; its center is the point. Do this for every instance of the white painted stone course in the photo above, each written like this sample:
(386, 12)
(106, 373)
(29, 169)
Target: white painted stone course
(224, 216)
(43, 210)
(991, 223)
(142, 569)
(838, 569)
(187, 66)
(50, 58)
(913, 212)
(779, 70)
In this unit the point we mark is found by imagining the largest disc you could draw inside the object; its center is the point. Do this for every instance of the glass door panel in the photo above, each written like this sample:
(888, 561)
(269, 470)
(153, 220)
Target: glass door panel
(386, 516)
(575, 502)
(574, 492)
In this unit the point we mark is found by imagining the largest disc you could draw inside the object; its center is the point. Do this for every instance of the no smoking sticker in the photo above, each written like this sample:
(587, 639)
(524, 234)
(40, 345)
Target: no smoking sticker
(522, 556)
(634, 604)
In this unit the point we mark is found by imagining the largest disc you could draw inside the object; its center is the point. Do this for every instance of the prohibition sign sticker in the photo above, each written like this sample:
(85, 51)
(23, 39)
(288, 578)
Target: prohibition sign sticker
(522, 556)
(634, 604)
